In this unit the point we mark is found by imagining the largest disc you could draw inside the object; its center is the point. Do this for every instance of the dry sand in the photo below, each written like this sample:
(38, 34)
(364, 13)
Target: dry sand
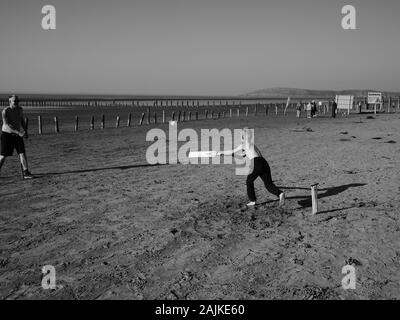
(114, 227)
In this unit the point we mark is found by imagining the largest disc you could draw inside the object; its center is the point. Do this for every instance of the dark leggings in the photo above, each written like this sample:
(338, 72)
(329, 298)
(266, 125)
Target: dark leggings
(261, 169)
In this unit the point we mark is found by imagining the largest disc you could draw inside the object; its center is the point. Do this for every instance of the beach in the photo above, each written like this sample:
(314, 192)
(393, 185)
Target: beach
(115, 227)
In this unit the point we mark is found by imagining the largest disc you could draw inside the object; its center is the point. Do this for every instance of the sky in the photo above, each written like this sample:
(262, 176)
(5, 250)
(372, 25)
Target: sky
(197, 47)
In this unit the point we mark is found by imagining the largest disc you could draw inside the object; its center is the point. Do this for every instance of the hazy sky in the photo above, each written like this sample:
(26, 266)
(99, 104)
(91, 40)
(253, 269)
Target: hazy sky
(201, 47)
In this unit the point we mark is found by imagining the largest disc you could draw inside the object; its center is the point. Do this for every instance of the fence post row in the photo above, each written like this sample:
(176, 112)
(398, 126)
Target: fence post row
(182, 115)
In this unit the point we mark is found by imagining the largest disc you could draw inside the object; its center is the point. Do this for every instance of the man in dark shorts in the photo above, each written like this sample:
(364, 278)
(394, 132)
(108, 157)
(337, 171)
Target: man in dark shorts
(12, 135)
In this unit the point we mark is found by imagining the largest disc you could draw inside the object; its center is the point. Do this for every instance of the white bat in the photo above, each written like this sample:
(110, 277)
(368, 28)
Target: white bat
(202, 154)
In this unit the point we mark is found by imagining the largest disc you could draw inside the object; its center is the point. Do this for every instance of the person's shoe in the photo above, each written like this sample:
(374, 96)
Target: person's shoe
(251, 204)
(28, 175)
(282, 199)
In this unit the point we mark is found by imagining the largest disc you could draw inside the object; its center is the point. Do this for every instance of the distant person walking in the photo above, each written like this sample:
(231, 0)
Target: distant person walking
(12, 135)
(334, 108)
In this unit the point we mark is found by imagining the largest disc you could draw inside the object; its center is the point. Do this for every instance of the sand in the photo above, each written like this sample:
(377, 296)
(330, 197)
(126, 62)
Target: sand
(116, 228)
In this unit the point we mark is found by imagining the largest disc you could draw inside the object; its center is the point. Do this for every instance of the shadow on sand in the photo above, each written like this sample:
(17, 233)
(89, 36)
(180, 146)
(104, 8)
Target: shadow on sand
(305, 201)
(99, 169)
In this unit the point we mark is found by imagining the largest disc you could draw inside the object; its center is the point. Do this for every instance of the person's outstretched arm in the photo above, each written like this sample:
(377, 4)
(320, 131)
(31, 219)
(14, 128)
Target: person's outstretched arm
(230, 152)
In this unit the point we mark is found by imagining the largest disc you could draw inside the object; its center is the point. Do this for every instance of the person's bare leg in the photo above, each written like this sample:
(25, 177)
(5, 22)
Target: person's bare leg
(2, 159)
(24, 161)
(24, 167)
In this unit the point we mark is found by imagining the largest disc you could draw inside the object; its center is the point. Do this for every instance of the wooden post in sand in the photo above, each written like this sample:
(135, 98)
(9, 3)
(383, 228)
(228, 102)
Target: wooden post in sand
(247, 112)
(314, 198)
(173, 116)
(26, 120)
(238, 112)
(76, 123)
(128, 124)
(40, 124)
(197, 115)
(276, 109)
(56, 127)
(142, 119)
(103, 121)
(190, 116)
(163, 116)
(389, 104)
(206, 114)
(230, 113)
(92, 123)
(117, 122)
(148, 115)
(155, 117)
(179, 116)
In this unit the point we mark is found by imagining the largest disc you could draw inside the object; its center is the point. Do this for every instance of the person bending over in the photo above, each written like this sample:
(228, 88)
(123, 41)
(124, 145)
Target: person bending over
(260, 167)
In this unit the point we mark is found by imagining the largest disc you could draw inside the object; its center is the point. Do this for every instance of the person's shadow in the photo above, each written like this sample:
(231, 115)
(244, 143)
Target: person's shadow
(127, 167)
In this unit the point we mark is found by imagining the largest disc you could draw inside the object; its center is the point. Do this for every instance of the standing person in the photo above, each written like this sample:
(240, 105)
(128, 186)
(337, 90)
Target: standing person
(309, 110)
(313, 109)
(359, 106)
(298, 108)
(334, 107)
(260, 167)
(12, 135)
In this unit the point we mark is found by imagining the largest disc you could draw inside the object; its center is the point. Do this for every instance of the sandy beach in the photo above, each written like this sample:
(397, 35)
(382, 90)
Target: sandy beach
(115, 227)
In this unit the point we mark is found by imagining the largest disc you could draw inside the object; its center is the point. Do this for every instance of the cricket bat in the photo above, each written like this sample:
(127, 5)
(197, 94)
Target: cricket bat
(202, 154)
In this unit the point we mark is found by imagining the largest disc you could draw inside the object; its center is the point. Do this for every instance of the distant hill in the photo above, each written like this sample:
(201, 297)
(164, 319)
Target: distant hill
(305, 93)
